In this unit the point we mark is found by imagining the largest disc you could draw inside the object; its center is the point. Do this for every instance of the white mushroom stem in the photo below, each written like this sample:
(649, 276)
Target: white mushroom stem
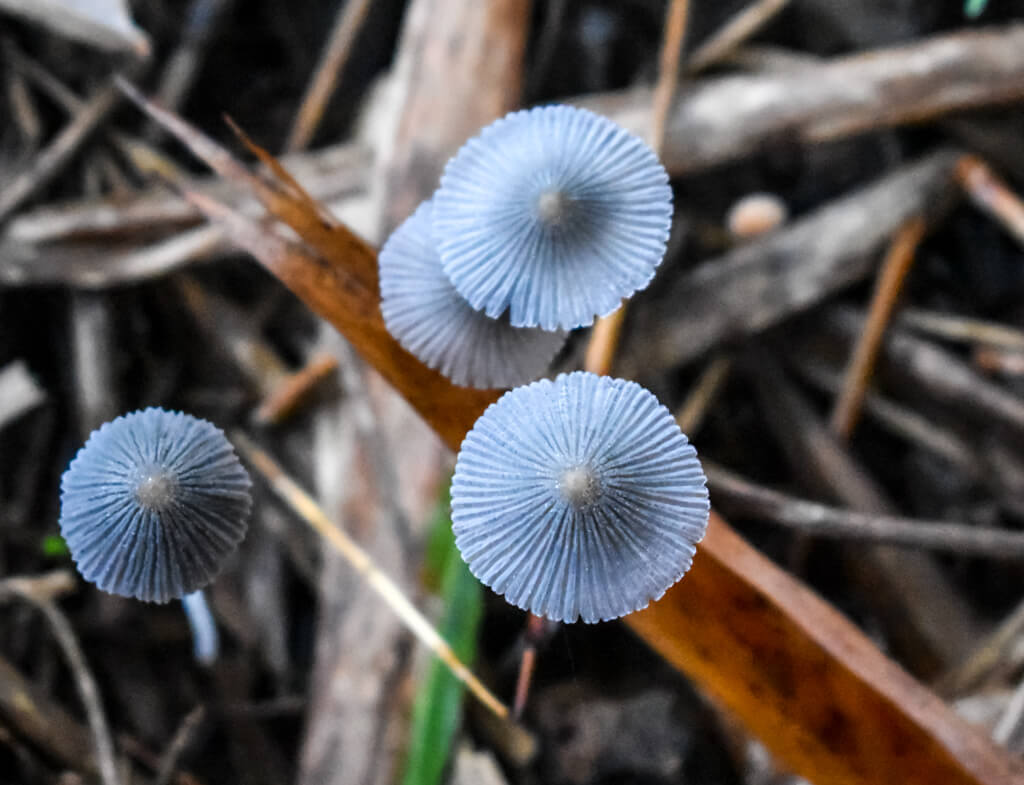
(205, 639)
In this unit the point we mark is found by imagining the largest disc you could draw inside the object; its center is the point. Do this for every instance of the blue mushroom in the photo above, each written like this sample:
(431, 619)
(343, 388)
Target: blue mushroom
(552, 215)
(427, 316)
(153, 505)
(578, 498)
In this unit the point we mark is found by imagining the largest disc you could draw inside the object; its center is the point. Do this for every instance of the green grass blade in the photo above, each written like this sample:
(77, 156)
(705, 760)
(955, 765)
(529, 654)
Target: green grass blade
(438, 705)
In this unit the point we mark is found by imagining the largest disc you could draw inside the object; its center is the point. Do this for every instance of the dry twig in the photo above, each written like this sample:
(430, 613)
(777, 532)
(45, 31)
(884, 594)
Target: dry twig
(895, 267)
(924, 615)
(743, 497)
(50, 161)
(39, 594)
(351, 14)
(733, 33)
(307, 509)
(724, 119)
(604, 338)
(988, 192)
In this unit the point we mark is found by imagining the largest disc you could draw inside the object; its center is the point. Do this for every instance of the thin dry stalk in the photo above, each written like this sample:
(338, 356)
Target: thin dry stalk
(733, 33)
(991, 194)
(332, 62)
(712, 379)
(998, 361)
(49, 163)
(741, 496)
(604, 338)
(295, 389)
(887, 290)
(964, 329)
(179, 742)
(305, 507)
(995, 652)
(40, 594)
(183, 65)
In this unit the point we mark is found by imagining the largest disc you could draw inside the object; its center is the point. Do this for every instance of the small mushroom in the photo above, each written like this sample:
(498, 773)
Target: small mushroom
(578, 498)
(427, 316)
(153, 504)
(552, 215)
(756, 214)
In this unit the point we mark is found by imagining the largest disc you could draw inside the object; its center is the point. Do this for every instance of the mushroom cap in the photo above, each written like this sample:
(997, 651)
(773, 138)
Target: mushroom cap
(578, 498)
(153, 505)
(552, 214)
(427, 316)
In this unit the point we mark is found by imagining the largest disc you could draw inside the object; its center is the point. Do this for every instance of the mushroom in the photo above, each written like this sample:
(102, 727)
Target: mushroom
(552, 215)
(578, 498)
(427, 316)
(153, 504)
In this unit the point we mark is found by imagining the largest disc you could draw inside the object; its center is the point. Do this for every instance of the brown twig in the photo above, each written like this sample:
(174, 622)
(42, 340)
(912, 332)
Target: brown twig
(733, 33)
(604, 337)
(40, 596)
(900, 420)
(347, 23)
(743, 497)
(894, 270)
(941, 375)
(303, 505)
(708, 385)
(1008, 363)
(292, 391)
(988, 192)
(537, 630)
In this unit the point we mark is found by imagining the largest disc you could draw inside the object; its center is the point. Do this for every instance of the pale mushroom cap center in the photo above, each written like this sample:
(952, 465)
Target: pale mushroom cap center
(579, 486)
(554, 206)
(156, 489)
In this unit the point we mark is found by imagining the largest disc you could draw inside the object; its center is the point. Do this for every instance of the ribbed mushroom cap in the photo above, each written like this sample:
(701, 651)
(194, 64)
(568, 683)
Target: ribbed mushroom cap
(427, 316)
(552, 214)
(153, 504)
(578, 498)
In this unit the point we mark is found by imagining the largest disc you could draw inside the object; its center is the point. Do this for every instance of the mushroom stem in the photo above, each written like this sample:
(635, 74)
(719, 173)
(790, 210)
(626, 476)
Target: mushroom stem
(205, 639)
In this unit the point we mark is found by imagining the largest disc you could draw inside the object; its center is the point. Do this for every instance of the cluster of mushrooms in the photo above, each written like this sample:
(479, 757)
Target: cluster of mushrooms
(575, 498)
